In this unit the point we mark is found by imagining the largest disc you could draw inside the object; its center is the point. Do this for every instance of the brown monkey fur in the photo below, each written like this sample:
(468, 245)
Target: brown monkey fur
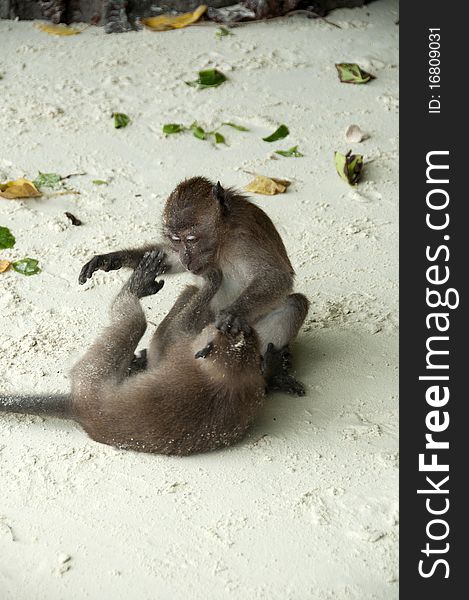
(203, 394)
(207, 230)
(206, 227)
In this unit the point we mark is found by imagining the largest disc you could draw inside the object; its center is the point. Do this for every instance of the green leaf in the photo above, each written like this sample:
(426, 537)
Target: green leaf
(120, 120)
(211, 78)
(26, 266)
(50, 180)
(7, 239)
(238, 127)
(170, 128)
(292, 152)
(198, 131)
(278, 134)
(219, 138)
(349, 166)
(222, 32)
(208, 78)
(99, 182)
(351, 73)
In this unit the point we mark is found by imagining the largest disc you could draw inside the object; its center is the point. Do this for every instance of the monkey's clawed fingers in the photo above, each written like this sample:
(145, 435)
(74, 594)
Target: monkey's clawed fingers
(103, 262)
(286, 383)
(205, 351)
(142, 281)
(230, 323)
(276, 360)
(152, 263)
(275, 367)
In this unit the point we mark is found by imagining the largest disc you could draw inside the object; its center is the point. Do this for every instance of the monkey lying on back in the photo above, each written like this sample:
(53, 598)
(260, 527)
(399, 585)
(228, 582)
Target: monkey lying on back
(207, 227)
(203, 394)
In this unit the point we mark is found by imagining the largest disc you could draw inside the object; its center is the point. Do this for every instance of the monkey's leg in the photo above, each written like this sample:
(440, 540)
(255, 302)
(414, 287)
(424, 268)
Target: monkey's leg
(276, 330)
(263, 291)
(169, 329)
(197, 314)
(110, 356)
(189, 315)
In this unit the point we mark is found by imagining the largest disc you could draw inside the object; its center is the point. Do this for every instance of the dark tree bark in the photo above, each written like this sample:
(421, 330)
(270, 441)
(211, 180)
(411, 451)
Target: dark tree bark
(120, 15)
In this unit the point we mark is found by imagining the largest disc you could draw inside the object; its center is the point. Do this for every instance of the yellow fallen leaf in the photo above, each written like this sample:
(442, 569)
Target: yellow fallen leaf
(166, 22)
(267, 185)
(21, 188)
(4, 265)
(57, 29)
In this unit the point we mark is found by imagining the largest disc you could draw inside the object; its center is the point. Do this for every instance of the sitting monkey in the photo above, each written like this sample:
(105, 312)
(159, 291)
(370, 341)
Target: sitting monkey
(190, 400)
(206, 227)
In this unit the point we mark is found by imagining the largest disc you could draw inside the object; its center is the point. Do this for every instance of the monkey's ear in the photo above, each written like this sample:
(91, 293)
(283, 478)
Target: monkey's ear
(221, 197)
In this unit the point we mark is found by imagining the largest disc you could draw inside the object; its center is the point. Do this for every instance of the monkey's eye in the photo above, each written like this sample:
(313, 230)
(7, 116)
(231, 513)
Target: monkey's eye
(191, 238)
(175, 238)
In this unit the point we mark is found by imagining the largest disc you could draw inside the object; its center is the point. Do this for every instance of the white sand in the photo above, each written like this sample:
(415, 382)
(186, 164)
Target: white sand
(306, 507)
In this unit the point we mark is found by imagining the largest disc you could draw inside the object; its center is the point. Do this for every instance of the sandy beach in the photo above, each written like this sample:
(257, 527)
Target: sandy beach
(306, 507)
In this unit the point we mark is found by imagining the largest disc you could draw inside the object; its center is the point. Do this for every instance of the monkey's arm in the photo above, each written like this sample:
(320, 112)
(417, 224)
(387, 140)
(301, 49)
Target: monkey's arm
(129, 258)
(195, 316)
(264, 291)
(110, 356)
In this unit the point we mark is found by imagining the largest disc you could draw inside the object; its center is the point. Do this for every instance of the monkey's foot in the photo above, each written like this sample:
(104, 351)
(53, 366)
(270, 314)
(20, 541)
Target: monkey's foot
(228, 322)
(139, 363)
(205, 351)
(275, 361)
(285, 383)
(100, 262)
(275, 368)
(142, 281)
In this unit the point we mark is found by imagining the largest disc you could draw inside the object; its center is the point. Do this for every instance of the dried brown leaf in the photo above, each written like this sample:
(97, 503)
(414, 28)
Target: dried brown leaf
(268, 186)
(4, 265)
(21, 188)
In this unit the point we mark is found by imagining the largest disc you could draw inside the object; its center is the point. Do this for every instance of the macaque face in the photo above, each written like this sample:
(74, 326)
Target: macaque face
(196, 248)
(192, 223)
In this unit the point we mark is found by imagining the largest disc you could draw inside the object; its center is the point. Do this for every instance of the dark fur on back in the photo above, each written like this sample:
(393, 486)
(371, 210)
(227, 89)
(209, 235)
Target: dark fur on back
(184, 404)
(181, 404)
(183, 407)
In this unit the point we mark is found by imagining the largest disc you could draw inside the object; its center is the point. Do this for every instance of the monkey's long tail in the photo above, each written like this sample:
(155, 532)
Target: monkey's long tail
(53, 405)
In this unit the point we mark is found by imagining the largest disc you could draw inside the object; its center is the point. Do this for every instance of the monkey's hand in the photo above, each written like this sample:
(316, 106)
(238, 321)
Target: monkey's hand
(228, 322)
(103, 262)
(205, 351)
(275, 367)
(142, 281)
